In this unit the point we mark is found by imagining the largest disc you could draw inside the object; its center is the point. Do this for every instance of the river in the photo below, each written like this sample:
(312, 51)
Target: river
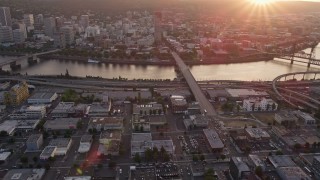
(263, 70)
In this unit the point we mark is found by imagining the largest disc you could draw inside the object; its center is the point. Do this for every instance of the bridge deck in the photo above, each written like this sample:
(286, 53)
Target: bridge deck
(197, 92)
(25, 57)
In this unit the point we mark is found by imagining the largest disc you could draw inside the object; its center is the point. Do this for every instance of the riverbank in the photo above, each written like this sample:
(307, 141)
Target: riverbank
(159, 62)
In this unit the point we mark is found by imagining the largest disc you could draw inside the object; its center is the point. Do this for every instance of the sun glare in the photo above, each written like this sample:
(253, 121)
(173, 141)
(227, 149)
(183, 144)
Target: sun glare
(262, 2)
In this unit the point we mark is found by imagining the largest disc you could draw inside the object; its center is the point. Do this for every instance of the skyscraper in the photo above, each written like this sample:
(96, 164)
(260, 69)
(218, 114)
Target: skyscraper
(6, 34)
(28, 20)
(84, 21)
(157, 27)
(5, 16)
(69, 34)
(49, 26)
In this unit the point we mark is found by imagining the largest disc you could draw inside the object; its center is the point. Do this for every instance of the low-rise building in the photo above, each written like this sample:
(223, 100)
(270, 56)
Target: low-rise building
(197, 169)
(24, 174)
(214, 140)
(178, 104)
(257, 134)
(4, 86)
(61, 124)
(17, 94)
(194, 109)
(238, 168)
(77, 178)
(42, 98)
(99, 109)
(281, 161)
(140, 142)
(240, 94)
(63, 110)
(140, 123)
(286, 118)
(30, 112)
(107, 123)
(292, 173)
(256, 161)
(34, 142)
(4, 157)
(8, 126)
(259, 104)
(316, 163)
(62, 144)
(85, 144)
(110, 142)
(148, 109)
(47, 152)
(305, 117)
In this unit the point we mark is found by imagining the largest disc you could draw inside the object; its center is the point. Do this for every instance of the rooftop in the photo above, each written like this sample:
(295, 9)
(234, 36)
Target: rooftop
(61, 124)
(166, 144)
(34, 137)
(24, 174)
(292, 173)
(77, 178)
(42, 95)
(107, 121)
(242, 166)
(112, 134)
(4, 155)
(141, 137)
(236, 93)
(60, 142)
(86, 138)
(257, 133)
(281, 161)
(213, 138)
(48, 151)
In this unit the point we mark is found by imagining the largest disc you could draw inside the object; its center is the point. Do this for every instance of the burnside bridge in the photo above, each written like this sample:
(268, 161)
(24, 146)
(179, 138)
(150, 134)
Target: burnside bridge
(32, 58)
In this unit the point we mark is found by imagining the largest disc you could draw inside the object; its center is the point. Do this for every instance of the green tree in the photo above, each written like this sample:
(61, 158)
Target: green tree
(35, 159)
(112, 164)
(202, 158)
(137, 158)
(209, 174)
(195, 157)
(24, 160)
(148, 154)
(259, 171)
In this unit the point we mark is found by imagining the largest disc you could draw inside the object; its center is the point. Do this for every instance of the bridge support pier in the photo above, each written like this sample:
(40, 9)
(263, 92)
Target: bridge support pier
(14, 65)
(309, 64)
(32, 60)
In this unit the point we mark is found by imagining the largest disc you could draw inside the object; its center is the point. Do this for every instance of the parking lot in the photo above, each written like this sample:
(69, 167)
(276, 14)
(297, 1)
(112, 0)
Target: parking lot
(167, 170)
(195, 143)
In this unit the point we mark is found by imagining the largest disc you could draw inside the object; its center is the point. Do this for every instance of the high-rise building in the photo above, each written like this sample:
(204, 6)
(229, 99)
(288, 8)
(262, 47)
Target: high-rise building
(21, 27)
(18, 36)
(49, 26)
(38, 24)
(5, 34)
(157, 27)
(84, 21)
(28, 20)
(59, 40)
(5, 16)
(68, 33)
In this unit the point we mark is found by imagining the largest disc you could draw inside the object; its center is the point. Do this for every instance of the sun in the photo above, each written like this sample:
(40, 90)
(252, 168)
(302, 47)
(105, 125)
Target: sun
(262, 2)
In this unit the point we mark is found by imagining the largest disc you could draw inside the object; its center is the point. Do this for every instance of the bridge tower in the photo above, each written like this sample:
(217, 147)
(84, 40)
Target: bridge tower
(293, 50)
(312, 54)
